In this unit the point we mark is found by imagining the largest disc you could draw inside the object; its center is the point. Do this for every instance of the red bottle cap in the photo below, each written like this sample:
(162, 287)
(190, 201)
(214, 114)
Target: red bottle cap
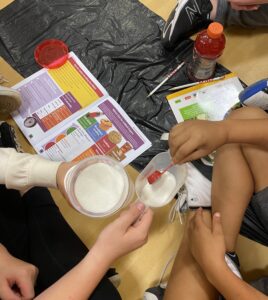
(215, 30)
(51, 54)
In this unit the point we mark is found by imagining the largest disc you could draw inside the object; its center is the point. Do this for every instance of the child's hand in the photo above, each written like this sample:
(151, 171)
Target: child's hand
(17, 277)
(246, 4)
(207, 244)
(244, 7)
(62, 171)
(128, 232)
(191, 140)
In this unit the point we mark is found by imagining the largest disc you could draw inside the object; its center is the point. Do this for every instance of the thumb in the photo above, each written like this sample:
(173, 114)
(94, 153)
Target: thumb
(131, 215)
(6, 292)
(26, 287)
(216, 224)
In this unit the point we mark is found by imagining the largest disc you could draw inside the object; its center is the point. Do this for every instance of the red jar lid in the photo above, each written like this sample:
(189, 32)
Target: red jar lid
(51, 54)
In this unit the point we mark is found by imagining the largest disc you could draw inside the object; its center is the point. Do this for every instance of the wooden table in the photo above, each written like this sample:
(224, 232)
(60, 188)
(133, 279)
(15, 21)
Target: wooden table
(246, 55)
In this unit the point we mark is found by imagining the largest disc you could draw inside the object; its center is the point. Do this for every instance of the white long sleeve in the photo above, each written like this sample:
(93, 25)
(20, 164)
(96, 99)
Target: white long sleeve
(21, 171)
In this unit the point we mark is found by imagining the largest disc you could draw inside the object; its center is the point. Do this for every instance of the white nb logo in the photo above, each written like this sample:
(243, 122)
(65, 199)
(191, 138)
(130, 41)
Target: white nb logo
(191, 12)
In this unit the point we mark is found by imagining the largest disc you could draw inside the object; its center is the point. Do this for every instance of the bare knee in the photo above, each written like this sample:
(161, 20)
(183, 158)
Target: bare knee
(248, 113)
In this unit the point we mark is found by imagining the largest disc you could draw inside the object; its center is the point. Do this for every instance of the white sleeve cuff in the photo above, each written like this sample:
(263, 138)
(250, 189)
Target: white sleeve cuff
(5, 153)
(26, 170)
(44, 172)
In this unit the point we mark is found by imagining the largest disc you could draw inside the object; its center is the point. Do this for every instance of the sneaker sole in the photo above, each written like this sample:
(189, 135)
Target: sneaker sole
(9, 137)
(10, 100)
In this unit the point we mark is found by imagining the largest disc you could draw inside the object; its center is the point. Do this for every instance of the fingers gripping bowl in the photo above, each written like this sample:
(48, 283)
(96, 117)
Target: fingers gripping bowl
(98, 186)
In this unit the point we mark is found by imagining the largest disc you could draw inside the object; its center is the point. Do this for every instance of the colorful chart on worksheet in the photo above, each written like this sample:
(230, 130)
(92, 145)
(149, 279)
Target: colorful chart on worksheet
(67, 115)
(49, 97)
(208, 101)
(102, 129)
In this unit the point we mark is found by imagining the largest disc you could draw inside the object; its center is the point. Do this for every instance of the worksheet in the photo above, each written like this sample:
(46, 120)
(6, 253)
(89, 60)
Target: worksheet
(67, 115)
(207, 101)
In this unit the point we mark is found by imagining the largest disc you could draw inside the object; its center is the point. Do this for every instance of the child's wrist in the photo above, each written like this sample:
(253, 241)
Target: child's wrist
(215, 271)
(226, 126)
(101, 256)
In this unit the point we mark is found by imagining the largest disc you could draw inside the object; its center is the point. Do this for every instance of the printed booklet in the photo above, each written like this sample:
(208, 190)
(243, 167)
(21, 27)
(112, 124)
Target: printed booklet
(206, 101)
(67, 115)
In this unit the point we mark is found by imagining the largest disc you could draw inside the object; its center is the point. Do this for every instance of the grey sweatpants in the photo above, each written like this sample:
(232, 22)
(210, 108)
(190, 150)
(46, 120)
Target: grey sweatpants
(228, 16)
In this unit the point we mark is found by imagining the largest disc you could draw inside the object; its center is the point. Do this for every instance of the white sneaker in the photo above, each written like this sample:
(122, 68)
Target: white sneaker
(154, 293)
(115, 280)
(196, 191)
(10, 100)
(232, 266)
(198, 188)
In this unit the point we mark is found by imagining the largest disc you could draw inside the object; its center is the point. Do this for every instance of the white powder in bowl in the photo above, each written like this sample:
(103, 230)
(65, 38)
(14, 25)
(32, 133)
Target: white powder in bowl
(99, 187)
(158, 193)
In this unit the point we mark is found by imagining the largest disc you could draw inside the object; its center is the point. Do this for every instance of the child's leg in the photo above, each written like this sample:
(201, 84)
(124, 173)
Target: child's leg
(13, 218)
(13, 223)
(239, 171)
(257, 159)
(232, 188)
(187, 280)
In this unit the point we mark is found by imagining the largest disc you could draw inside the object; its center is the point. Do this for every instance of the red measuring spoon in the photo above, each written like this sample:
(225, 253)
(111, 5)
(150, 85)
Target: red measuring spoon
(157, 174)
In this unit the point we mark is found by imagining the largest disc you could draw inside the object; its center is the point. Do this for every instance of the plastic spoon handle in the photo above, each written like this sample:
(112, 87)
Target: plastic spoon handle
(168, 167)
(157, 174)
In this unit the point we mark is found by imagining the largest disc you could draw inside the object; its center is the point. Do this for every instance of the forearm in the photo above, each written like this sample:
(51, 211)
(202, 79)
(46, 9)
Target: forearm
(247, 131)
(22, 170)
(80, 282)
(3, 249)
(232, 287)
(248, 2)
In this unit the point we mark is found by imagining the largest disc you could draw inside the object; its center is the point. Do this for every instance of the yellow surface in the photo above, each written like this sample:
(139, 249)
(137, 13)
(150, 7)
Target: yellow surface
(197, 87)
(4, 3)
(70, 80)
(246, 55)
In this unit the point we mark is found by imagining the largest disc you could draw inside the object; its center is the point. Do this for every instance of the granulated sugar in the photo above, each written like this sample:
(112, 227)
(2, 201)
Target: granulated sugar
(99, 187)
(158, 193)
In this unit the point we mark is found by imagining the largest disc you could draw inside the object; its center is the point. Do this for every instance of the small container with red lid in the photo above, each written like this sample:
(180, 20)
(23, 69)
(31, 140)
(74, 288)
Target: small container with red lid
(51, 54)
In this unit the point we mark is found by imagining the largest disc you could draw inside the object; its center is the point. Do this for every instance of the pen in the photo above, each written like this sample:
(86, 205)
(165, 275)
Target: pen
(166, 79)
(195, 83)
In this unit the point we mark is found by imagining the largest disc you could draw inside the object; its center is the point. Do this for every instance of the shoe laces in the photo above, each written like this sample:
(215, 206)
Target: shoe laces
(160, 282)
(180, 206)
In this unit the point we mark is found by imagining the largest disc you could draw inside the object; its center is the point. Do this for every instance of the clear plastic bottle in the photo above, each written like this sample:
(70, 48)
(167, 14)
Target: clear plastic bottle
(208, 47)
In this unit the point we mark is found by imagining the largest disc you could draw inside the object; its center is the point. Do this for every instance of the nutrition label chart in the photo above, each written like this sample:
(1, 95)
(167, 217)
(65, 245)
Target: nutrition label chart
(67, 115)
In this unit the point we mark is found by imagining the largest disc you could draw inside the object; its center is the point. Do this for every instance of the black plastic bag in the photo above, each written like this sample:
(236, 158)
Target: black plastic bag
(117, 40)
